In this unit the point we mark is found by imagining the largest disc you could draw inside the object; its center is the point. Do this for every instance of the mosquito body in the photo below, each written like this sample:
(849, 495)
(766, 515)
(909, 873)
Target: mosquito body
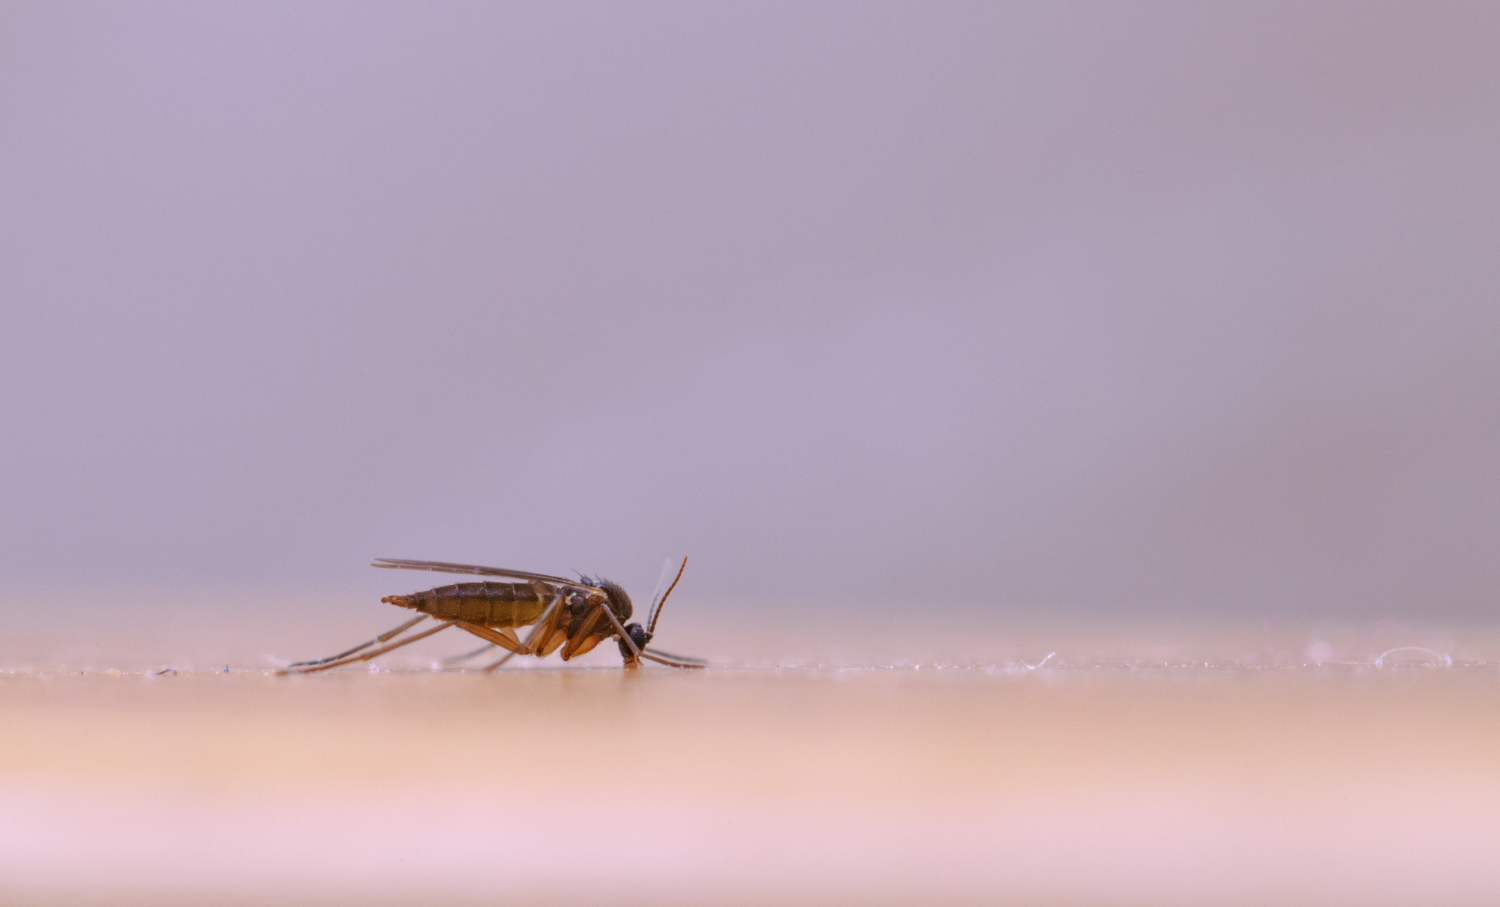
(571, 615)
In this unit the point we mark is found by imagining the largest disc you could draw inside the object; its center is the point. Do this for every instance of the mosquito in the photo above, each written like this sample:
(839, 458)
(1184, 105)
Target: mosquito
(574, 615)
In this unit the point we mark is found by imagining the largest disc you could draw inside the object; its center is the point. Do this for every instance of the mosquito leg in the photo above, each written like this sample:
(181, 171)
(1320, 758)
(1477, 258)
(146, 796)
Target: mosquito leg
(371, 654)
(548, 644)
(629, 643)
(585, 630)
(505, 639)
(533, 638)
(384, 637)
(503, 659)
(455, 659)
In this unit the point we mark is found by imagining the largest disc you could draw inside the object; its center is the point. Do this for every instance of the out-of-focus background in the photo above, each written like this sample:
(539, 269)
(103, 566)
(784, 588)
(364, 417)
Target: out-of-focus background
(1138, 309)
(1082, 419)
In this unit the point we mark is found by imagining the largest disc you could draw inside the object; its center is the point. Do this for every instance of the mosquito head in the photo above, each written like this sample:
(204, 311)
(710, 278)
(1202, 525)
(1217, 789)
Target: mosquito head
(638, 635)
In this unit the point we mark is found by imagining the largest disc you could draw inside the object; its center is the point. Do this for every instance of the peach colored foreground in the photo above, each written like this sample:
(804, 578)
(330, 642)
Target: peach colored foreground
(1063, 785)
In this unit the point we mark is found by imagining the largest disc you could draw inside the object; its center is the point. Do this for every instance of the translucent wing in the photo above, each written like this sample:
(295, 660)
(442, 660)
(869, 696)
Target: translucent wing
(392, 563)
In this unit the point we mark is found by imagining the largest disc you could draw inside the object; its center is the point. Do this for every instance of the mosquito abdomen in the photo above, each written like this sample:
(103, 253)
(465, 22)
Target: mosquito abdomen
(491, 604)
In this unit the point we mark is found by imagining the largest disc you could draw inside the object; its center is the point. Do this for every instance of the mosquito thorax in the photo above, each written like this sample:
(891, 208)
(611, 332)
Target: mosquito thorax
(619, 602)
(578, 605)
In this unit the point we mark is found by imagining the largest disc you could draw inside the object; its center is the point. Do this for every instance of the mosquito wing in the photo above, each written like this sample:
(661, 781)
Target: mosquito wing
(392, 563)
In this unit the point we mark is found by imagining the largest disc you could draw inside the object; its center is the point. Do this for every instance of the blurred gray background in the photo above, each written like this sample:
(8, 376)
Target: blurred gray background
(1041, 307)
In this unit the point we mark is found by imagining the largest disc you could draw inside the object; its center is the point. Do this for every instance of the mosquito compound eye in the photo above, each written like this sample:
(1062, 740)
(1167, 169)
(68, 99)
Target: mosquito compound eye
(637, 635)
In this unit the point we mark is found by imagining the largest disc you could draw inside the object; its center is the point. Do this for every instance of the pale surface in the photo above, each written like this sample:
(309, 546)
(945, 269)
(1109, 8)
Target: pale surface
(1077, 782)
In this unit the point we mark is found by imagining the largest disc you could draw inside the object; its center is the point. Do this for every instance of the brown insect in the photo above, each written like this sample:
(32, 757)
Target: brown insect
(574, 615)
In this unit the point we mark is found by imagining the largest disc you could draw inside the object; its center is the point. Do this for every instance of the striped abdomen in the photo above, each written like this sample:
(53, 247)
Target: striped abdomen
(492, 604)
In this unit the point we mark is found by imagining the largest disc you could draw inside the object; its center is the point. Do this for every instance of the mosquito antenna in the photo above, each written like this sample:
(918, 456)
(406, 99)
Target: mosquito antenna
(661, 580)
(651, 627)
